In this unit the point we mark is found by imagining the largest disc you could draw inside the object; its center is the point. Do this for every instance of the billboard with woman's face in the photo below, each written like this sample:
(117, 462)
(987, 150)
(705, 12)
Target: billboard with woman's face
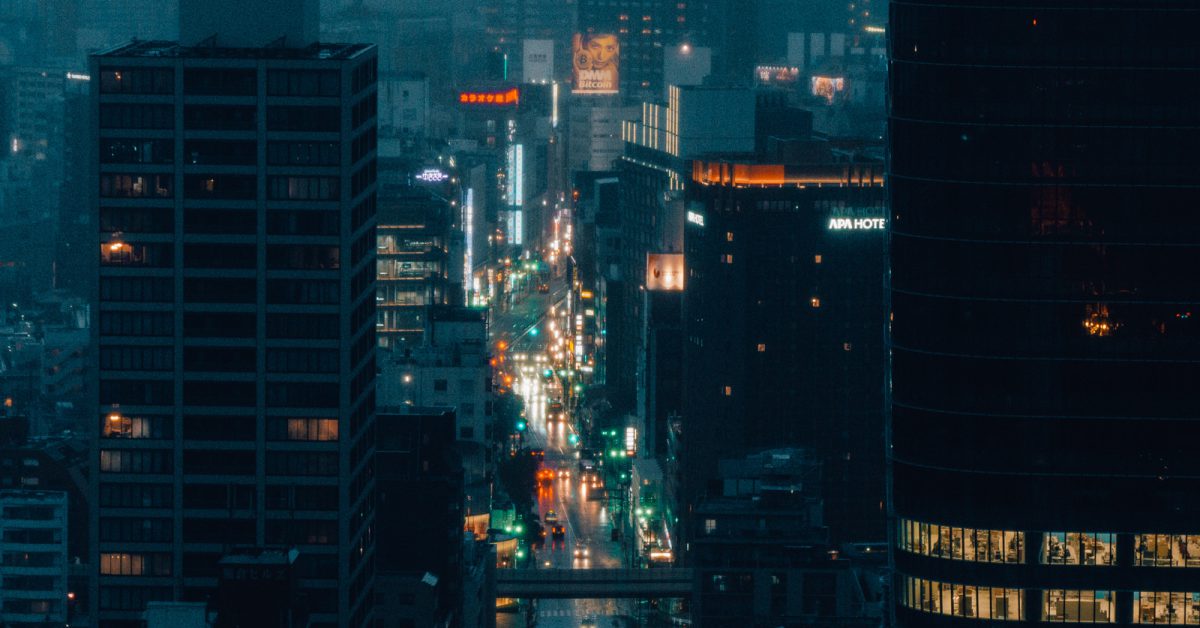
(597, 61)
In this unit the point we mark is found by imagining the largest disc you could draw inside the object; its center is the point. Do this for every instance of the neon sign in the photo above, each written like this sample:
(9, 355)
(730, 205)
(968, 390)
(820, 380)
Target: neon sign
(431, 175)
(695, 218)
(856, 224)
(507, 97)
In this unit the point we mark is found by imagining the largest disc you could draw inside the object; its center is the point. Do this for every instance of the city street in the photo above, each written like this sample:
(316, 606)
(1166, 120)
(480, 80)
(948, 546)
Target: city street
(585, 520)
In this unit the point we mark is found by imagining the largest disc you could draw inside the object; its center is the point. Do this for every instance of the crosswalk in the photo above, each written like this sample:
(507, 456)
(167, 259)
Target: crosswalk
(558, 612)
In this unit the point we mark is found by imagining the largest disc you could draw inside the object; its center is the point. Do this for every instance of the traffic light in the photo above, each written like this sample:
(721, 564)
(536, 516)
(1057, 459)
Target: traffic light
(548, 373)
(533, 332)
(521, 425)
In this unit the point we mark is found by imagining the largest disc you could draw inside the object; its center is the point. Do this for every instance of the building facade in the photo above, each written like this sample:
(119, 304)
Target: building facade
(1043, 345)
(33, 558)
(413, 262)
(235, 194)
(783, 327)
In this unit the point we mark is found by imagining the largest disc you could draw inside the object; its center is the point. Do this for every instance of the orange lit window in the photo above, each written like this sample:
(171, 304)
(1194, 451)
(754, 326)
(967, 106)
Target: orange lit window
(762, 347)
(729, 236)
(729, 391)
(727, 259)
(847, 346)
(817, 258)
(816, 302)
(312, 429)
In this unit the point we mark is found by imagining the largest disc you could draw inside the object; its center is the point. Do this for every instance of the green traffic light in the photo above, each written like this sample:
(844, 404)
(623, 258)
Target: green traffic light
(521, 426)
(533, 332)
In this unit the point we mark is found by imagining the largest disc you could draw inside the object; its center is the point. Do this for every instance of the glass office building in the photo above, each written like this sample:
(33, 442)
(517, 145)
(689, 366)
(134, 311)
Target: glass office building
(1044, 337)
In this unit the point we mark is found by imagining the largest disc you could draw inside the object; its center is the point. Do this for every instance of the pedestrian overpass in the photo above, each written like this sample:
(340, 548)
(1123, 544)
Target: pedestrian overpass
(593, 583)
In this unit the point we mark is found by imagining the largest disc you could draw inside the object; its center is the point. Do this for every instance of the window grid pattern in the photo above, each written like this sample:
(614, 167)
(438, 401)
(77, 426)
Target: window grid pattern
(962, 600)
(971, 544)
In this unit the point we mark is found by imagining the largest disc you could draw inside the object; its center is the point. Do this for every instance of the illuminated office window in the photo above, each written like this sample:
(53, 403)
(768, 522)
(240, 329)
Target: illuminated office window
(1166, 607)
(1079, 548)
(1078, 607)
(1166, 550)
(961, 600)
(971, 544)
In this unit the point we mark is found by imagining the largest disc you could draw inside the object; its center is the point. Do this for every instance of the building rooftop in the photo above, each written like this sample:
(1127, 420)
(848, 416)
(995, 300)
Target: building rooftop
(154, 49)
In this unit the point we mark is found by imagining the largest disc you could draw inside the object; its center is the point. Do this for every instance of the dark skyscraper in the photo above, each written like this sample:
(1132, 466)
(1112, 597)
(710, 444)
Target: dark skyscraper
(1045, 340)
(236, 313)
(782, 327)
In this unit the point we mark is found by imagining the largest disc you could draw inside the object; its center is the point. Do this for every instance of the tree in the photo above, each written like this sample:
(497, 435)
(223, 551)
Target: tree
(517, 475)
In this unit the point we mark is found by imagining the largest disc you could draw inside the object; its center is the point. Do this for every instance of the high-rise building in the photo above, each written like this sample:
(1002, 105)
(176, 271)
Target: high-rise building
(783, 327)
(643, 28)
(1044, 341)
(235, 180)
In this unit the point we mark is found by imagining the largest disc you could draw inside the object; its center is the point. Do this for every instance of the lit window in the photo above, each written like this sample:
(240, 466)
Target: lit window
(1079, 548)
(971, 544)
(729, 391)
(312, 429)
(962, 600)
(847, 346)
(817, 258)
(815, 302)
(710, 526)
(762, 347)
(729, 236)
(1090, 607)
(1166, 550)
(1166, 607)
(727, 259)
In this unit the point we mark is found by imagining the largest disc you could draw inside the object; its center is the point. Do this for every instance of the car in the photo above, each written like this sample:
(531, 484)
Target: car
(543, 288)
(540, 454)
(559, 532)
(551, 517)
(582, 551)
(588, 622)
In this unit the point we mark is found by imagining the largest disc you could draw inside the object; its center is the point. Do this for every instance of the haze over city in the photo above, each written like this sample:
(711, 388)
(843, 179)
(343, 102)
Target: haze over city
(598, 313)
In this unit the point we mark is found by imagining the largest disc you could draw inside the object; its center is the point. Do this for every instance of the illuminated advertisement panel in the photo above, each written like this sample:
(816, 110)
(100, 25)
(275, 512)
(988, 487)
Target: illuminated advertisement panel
(596, 63)
(766, 74)
(664, 271)
(827, 87)
(494, 99)
(515, 187)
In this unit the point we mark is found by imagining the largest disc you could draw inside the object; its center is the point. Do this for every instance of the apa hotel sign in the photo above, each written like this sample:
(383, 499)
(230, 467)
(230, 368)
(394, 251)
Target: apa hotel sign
(856, 219)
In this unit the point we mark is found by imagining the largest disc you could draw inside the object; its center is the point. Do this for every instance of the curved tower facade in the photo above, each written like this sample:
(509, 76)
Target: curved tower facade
(1045, 294)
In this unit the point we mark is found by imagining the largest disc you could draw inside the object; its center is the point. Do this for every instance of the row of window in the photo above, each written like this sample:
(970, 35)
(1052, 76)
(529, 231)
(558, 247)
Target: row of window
(1058, 605)
(223, 324)
(220, 81)
(222, 117)
(989, 546)
(204, 427)
(135, 564)
(162, 220)
(943, 598)
(1058, 548)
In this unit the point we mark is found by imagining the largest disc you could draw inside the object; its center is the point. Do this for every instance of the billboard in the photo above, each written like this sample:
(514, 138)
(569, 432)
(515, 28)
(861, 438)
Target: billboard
(537, 60)
(515, 166)
(596, 63)
(664, 271)
(766, 74)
